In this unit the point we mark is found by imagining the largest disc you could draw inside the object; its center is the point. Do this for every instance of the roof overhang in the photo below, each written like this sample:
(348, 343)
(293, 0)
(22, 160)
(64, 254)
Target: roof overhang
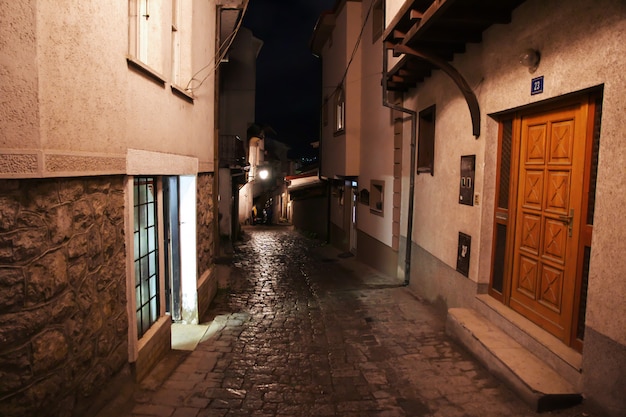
(323, 29)
(230, 14)
(439, 29)
(299, 182)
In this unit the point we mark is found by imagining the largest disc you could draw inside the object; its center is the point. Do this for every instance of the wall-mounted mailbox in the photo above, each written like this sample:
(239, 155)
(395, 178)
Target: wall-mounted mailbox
(463, 254)
(468, 168)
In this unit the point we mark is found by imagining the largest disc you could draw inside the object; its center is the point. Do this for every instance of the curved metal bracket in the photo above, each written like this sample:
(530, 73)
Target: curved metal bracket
(470, 97)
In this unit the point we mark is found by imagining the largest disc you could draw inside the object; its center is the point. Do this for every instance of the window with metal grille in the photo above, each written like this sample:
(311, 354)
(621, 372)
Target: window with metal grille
(146, 253)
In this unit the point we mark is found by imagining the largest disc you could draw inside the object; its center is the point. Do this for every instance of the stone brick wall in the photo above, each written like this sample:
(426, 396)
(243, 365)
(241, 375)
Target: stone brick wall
(63, 319)
(205, 227)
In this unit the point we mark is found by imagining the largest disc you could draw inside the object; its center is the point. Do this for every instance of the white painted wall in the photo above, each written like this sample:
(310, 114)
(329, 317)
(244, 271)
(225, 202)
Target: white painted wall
(188, 243)
(80, 101)
(376, 137)
(340, 153)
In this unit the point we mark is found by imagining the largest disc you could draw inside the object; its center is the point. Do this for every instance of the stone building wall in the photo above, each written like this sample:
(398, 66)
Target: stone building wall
(205, 227)
(63, 319)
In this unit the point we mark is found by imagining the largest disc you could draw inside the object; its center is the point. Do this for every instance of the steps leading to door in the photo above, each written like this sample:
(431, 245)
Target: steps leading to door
(564, 360)
(531, 378)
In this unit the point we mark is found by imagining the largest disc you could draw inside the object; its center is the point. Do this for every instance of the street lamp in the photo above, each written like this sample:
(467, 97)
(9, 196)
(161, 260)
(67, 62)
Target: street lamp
(264, 173)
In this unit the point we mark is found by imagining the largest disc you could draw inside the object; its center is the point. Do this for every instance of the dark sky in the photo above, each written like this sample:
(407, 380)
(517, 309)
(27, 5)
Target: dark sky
(288, 75)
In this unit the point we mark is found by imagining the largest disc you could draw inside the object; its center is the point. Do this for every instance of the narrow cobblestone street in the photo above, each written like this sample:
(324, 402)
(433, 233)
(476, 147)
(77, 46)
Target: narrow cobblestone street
(305, 332)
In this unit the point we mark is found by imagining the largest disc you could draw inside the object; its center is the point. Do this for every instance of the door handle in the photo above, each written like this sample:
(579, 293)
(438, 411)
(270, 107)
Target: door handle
(569, 221)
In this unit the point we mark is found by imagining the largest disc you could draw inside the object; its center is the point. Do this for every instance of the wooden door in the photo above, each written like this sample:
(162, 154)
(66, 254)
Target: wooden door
(547, 220)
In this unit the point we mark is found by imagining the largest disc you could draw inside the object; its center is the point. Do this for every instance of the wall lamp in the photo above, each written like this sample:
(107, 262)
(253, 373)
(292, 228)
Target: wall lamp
(264, 173)
(530, 58)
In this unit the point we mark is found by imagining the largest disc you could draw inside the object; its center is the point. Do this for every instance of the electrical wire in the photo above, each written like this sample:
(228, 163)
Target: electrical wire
(221, 53)
(354, 50)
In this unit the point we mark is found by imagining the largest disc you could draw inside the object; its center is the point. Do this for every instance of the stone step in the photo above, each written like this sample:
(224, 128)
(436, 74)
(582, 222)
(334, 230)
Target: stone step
(528, 376)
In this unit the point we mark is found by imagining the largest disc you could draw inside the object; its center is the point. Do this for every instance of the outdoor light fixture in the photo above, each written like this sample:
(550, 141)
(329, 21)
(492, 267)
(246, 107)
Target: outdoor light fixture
(530, 58)
(264, 173)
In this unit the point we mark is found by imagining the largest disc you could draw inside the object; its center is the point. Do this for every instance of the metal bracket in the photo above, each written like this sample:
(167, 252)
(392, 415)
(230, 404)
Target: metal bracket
(470, 97)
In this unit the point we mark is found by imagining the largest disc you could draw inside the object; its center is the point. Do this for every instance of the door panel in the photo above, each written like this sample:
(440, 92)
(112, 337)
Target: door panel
(550, 178)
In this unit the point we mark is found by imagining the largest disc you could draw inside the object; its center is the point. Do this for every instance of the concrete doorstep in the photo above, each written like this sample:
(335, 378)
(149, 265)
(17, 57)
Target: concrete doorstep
(528, 376)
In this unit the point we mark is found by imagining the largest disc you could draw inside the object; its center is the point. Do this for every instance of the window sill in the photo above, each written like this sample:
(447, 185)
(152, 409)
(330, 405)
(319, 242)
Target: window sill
(145, 70)
(181, 93)
(339, 132)
(377, 212)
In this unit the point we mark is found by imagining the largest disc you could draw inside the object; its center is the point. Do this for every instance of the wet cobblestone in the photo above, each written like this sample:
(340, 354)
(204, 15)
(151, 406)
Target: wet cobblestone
(303, 332)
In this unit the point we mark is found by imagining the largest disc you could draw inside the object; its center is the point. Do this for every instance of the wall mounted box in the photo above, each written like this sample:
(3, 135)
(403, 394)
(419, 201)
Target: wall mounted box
(466, 187)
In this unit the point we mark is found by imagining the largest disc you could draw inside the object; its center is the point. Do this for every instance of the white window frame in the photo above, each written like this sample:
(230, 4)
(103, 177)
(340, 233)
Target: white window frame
(340, 110)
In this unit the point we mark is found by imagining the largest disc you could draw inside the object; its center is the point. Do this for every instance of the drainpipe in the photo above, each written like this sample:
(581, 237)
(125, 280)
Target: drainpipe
(413, 115)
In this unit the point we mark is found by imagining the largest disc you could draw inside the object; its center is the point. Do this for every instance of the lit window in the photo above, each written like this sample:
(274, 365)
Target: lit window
(340, 110)
(146, 253)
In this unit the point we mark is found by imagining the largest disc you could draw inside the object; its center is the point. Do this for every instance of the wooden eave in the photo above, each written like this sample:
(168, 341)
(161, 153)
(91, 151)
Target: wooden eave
(439, 28)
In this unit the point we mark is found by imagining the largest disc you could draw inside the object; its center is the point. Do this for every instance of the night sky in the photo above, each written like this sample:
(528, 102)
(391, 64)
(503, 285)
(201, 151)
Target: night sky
(288, 75)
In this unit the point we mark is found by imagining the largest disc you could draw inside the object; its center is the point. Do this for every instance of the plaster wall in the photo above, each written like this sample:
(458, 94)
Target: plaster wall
(438, 216)
(392, 7)
(76, 97)
(353, 90)
(376, 135)
(337, 204)
(340, 152)
(19, 112)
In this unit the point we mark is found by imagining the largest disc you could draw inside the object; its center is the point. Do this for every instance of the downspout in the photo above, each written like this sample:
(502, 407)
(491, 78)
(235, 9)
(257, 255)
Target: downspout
(413, 115)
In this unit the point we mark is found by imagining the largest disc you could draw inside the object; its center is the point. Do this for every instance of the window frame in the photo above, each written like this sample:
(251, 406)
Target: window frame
(377, 197)
(151, 303)
(339, 111)
(426, 141)
(139, 45)
(378, 20)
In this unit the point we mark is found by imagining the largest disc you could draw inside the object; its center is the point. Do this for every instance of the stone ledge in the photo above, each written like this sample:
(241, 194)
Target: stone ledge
(529, 377)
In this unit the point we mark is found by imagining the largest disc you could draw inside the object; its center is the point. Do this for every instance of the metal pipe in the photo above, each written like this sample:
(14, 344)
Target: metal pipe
(413, 116)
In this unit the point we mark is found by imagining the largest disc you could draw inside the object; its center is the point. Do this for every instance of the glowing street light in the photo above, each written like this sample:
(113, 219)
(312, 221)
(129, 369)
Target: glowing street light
(264, 173)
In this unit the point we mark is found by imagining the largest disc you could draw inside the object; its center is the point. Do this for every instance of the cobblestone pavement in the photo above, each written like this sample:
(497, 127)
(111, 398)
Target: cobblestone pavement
(305, 332)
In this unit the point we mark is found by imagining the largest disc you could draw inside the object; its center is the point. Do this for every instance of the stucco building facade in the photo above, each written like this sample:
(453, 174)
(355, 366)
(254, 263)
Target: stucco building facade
(507, 128)
(107, 172)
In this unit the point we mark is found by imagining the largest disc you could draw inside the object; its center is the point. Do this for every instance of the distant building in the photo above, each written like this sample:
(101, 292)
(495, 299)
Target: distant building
(484, 155)
(237, 115)
(107, 203)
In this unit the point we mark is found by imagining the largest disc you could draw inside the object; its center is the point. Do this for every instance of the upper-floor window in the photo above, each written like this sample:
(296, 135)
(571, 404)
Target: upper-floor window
(340, 110)
(147, 21)
(181, 44)
(378, 23)
(426, 141)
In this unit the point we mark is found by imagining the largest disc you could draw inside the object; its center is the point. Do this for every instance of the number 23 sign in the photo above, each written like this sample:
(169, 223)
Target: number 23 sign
(536, 86)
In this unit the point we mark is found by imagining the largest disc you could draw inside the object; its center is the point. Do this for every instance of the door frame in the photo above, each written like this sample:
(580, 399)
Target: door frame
(590, 101)
(171, 237)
